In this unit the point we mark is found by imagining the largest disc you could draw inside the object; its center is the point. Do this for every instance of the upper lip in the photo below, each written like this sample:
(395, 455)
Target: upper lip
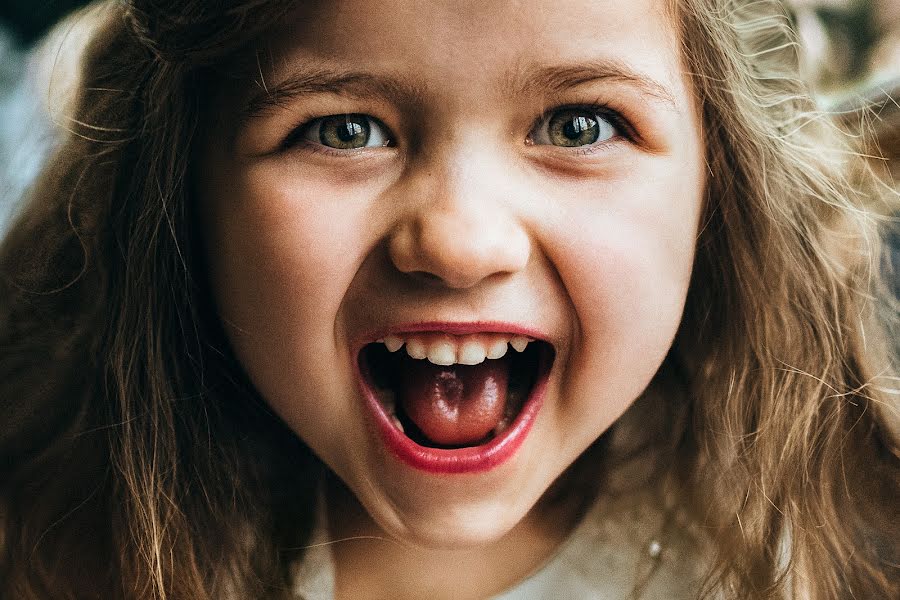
(454, 328)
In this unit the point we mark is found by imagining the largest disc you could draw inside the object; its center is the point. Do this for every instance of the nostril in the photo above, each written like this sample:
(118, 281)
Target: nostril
(424, 277)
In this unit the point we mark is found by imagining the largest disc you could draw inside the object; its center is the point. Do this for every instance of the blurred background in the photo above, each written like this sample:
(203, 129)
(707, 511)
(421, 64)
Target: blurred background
(851, 52)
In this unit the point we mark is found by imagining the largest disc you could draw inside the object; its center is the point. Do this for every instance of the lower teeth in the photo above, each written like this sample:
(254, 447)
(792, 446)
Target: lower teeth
(388, 400)
(397, 423)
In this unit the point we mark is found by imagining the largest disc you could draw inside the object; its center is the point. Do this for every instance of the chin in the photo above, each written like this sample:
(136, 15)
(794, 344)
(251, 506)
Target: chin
(458, 536)
(454, 528)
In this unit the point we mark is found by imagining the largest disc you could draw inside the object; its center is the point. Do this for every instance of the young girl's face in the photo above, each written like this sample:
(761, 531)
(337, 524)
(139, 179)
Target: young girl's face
(451, 175)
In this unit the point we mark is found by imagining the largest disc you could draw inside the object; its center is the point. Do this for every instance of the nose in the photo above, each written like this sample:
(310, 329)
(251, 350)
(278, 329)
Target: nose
(460, 229)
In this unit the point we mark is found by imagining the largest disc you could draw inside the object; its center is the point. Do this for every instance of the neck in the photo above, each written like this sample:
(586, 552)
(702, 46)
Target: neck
(369, 564)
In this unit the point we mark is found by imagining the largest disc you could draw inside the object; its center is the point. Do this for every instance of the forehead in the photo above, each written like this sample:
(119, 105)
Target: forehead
(473, 45)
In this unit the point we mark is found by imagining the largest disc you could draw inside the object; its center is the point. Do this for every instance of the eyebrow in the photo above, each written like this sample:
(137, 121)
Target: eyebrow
(559, 78)
(317, 80)
(554, 79)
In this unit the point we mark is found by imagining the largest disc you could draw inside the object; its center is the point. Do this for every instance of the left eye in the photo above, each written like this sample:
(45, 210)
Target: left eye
(574, 127)
(345, 132)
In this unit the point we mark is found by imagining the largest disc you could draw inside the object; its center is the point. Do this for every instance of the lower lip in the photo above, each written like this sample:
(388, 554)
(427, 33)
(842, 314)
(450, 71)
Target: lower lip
(462, 460)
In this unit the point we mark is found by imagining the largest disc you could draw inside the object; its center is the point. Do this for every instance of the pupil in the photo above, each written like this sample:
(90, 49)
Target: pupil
(349, 131)
(577, 126)
(344, 132)
(574, 127)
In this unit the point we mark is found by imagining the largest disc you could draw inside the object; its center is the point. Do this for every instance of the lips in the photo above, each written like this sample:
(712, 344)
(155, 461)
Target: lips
(453, 401)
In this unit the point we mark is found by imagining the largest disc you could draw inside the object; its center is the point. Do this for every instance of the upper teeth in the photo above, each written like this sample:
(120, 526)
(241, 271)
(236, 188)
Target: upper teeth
(444, 349)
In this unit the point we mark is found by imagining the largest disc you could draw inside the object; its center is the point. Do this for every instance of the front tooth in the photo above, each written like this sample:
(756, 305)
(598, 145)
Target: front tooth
(416, 349)
(519, 342)
(497, 349)
(442, 353)
(392, 343)
(472, 353)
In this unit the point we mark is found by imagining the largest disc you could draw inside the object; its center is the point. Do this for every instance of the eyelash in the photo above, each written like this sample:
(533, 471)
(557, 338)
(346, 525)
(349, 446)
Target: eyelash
(622, 126)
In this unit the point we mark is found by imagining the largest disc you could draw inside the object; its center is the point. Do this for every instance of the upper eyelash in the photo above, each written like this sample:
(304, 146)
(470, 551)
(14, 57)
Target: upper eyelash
(294, 136)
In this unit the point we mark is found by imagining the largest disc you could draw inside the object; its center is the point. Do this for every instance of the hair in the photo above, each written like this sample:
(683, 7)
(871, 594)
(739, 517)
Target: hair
(135, 449)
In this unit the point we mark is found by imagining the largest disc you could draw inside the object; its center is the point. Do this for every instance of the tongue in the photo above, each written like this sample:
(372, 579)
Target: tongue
(457, 405)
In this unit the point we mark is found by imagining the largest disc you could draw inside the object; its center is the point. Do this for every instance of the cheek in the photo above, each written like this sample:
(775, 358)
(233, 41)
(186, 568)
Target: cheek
(628, 251)
(281, 257)
(282, 252)
(628, 276)
(624, 254)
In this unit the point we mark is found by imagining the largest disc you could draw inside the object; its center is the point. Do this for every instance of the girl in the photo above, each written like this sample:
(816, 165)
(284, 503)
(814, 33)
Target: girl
(453, 300)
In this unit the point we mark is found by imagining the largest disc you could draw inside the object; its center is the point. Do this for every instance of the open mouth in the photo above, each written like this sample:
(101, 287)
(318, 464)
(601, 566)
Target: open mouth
(446, 394)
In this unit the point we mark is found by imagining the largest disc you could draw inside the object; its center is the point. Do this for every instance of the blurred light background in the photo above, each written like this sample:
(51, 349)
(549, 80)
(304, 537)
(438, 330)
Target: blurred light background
(32, 70)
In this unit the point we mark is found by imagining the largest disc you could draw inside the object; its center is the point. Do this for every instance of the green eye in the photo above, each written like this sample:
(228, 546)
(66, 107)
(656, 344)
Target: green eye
(573, 127)
(346, 132)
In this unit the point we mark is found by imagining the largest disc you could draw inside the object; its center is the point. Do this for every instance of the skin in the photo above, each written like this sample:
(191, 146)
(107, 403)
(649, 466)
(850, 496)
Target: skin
(467, 216)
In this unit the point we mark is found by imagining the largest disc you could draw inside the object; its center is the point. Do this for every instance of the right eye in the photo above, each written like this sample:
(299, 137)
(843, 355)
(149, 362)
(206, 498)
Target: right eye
(343, 132)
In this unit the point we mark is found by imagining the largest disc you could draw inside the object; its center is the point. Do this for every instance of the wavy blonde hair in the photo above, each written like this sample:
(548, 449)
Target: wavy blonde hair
(159, 471)
(794, 415)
